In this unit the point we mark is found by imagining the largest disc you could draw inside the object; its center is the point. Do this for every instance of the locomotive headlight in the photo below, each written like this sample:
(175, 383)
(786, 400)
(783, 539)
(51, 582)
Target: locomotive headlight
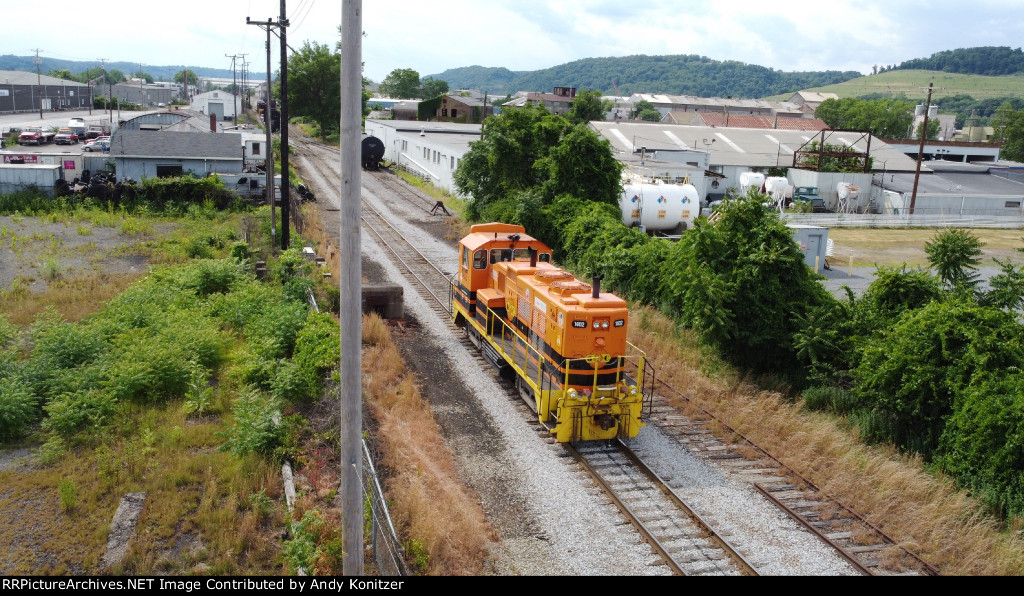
(604, 324)
(597, 324)
(632, 390)
(572, 394)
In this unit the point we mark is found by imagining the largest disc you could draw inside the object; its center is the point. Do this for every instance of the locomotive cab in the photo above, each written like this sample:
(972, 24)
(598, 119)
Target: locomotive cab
(486, 245)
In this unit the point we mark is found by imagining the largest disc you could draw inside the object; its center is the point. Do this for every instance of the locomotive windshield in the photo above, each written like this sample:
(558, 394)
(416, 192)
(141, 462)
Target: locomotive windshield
(499, 255)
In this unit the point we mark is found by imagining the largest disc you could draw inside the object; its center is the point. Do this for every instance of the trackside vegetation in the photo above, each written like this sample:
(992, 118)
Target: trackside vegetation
(930, 363)
(189, 385)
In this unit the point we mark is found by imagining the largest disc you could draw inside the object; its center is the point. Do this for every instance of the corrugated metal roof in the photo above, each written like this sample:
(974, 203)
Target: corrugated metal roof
(718, 119)
(743, 147)
(20, 77)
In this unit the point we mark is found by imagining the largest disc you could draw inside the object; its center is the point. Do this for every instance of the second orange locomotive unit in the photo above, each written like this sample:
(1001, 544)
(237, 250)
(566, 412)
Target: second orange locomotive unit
(564, 340)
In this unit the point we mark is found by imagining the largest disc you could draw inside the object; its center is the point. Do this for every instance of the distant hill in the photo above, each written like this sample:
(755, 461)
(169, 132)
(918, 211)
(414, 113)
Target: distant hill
(674, 75)
(159, 73)
(492, 80)
(912, 84)
(987, 60)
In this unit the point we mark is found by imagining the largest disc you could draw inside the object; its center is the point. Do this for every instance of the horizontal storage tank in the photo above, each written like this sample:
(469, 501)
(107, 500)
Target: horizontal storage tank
(778, 186)
(750, 180)
(659, 207)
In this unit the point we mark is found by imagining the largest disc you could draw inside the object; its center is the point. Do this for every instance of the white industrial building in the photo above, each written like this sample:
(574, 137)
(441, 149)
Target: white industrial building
(222, 104)
(431, 150)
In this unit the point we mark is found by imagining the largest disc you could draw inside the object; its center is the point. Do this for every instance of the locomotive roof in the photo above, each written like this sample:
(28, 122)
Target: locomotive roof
(482, 234)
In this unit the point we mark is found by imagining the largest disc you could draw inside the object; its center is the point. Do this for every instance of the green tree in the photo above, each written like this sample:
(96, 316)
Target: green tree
(644, 110)
(180, 76)
(314, 86)
(431, 87)
(886, 118)
(954, 253)
(934, 128)
(1007, 287)
(401, 83)
(586, 107)
(982, 444)
(1010, 123)
(582, 165)
(62, 74)
(502, 162)
(741, 283)
(910, 378)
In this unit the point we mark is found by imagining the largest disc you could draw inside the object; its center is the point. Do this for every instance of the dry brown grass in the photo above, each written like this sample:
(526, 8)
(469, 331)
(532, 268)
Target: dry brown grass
(313, 229)
(924, 512)
(73, 298)
(894, 247)
(429, 503)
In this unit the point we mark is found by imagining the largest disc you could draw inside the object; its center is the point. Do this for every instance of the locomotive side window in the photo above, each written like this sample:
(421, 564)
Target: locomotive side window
(465, 258)
(480, 259)
(499, 255)
(545, 257)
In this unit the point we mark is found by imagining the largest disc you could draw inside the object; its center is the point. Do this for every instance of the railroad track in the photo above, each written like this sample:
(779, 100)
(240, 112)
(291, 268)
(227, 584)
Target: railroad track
(865, 546)
(687, 543)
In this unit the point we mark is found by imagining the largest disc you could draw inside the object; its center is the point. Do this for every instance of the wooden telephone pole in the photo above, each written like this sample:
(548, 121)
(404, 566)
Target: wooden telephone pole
(920, 148)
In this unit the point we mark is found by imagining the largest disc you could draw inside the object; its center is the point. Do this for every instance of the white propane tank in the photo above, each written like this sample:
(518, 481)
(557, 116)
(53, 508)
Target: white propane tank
(749, 180)
(777, 186)
(847, 191)
(659, 207)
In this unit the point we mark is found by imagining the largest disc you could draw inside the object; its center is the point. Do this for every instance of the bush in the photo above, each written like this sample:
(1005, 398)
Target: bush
(317, 348)
(982, 445)
(18, 409)
(293, 383)
(911, 377)
(274, 331)
(259, 428)
(71, 413)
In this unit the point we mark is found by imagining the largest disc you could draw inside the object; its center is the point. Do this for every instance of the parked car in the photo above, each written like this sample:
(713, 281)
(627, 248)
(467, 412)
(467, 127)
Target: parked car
(98, 144)
(94, 132)
(66, 136)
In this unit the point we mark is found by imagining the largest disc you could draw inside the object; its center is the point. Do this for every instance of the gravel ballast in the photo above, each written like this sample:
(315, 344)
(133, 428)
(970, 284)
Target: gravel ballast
(550, 517)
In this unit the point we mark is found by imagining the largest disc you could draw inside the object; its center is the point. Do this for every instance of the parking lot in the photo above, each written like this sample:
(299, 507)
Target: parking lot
(72, 157)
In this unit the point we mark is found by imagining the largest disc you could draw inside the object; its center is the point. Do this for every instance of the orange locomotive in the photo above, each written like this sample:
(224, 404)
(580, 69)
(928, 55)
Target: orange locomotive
(564, 340)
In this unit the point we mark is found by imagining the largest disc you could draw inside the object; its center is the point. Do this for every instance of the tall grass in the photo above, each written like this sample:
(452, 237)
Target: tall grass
(429, 503)
(921, 510)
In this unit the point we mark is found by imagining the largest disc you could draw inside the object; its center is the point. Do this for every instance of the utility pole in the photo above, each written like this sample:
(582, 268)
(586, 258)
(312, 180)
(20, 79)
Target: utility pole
(110, 91)
(350, 312)
(920, 148)
(234, 82)
(285, 205)
(269, 25)
(39, 83)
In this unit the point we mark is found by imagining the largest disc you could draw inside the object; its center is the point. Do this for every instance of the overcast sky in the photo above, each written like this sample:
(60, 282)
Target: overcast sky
(430, 37)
